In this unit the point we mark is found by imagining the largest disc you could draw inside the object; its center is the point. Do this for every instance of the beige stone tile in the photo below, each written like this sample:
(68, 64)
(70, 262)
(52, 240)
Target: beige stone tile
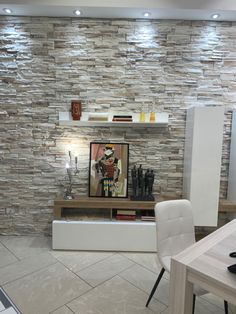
(116, 296)
(26, 246)
(46, 290)
(204, 307)
(104, 270)
(148, 260)
(6, 257)
(25, 266)
(144, 279)
(211, 298)
(77, 260)
(62, 310)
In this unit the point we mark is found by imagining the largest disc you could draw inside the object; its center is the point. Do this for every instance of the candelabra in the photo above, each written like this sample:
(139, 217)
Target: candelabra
(71, 172)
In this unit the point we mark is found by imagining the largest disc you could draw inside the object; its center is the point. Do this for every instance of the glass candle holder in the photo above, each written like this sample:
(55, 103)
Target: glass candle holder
(152, 116)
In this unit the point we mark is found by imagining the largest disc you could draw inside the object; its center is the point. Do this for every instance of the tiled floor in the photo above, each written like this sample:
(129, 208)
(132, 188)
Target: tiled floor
(41, 281)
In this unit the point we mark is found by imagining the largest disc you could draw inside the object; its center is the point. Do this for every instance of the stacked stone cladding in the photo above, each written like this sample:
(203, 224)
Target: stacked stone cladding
(110, 65)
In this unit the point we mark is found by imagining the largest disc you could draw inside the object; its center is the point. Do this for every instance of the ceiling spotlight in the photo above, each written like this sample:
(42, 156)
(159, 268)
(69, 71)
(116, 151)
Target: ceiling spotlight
(215, 16)
(77, 12)
(146, 14)
(7, 10)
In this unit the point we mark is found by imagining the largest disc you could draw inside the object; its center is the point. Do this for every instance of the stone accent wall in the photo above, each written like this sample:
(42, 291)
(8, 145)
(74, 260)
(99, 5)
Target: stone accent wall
(109, 65)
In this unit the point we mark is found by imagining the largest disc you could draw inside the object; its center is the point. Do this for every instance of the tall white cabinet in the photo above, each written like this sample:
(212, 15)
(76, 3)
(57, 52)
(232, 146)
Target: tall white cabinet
(232, 162)
(202, 162)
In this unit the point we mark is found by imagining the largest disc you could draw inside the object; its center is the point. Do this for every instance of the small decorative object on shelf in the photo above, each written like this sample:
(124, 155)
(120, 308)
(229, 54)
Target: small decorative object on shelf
(142, 117)
(152, 116)
(76, 109)
(126, 215)
(71, 172)
(142, 185)
(98, 116)
(122, 118)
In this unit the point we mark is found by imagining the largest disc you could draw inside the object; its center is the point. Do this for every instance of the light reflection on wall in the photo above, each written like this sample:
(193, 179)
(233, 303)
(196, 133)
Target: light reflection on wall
(146, 35)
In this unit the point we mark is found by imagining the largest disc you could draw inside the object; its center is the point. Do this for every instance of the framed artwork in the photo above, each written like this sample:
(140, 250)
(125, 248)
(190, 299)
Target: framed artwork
(108, 169)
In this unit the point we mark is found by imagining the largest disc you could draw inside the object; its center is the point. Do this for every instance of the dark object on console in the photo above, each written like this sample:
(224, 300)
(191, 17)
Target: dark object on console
(232, 254)
(142, 184)
(232, 268)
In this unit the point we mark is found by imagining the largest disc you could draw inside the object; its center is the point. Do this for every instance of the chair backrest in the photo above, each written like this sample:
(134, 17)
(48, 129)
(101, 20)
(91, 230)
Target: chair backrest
(175, 229)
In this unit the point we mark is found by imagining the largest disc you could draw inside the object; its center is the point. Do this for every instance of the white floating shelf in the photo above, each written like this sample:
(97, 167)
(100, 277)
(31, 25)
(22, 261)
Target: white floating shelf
(161, 121)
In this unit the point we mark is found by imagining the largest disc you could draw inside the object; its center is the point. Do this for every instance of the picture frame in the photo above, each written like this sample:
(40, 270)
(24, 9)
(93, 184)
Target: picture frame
(108, 170)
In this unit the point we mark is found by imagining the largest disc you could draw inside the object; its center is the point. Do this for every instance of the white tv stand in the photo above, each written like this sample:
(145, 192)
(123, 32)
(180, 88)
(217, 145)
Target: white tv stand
(108, 235)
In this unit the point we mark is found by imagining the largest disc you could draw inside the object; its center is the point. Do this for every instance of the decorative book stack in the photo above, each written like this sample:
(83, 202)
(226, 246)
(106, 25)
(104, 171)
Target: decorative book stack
(147, 218)
(126, 215)
(122, 118)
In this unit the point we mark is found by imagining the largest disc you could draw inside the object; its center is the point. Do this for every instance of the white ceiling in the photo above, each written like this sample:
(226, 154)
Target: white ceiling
(159, 9)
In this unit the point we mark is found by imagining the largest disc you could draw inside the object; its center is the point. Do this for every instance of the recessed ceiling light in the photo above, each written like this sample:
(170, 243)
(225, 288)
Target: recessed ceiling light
(7, 10)
(146, 14)
(77, 12)
(215, 16)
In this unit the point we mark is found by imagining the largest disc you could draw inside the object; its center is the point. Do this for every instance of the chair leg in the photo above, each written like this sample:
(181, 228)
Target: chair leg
(155, 285)
(194, 300)
(226, 307)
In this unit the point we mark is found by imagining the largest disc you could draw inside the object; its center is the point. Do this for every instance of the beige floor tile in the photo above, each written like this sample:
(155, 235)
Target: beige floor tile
(23, 247)
(144, 280)
(204, 307)
(211, 298)
(115, 296)
(62, 310)
(77, 260)
(104, 270)
(45, 290)
(166, 311)
(6, 257)
(25, 266)
(38, 276)
(148, 260)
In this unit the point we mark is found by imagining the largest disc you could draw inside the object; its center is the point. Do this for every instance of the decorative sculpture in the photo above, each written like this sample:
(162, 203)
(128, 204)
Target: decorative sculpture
(142, 185)
(76, 109)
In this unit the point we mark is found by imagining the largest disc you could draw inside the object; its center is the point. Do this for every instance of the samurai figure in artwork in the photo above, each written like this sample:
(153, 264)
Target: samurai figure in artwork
(109, 167)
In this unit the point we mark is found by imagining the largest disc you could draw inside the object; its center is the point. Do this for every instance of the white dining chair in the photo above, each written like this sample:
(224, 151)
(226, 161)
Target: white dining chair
(175, 232)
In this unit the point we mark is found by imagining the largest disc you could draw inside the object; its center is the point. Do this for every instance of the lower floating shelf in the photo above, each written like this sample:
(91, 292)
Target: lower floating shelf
(104, 236)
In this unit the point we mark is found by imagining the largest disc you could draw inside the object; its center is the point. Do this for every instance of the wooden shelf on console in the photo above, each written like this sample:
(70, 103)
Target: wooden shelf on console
(226, 206)
(83, 202)
(65, 119)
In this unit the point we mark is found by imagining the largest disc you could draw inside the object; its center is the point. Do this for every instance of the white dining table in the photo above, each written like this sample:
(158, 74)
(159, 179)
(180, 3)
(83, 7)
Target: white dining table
(205, 264)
